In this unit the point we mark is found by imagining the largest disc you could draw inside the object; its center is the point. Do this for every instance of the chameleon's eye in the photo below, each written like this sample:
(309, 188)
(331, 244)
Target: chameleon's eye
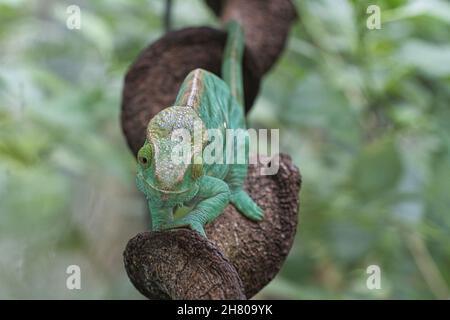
(145, 155)
(143, 160)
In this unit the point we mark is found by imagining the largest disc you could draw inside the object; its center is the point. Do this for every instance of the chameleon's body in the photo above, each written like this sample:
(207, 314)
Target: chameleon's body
(216, 104)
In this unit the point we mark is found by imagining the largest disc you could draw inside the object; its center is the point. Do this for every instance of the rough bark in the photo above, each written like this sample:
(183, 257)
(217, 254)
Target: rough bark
(266, 24)
(179, 264)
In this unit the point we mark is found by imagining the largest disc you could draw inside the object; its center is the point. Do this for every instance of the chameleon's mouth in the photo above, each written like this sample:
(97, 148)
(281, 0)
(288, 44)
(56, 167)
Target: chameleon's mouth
(158, 189)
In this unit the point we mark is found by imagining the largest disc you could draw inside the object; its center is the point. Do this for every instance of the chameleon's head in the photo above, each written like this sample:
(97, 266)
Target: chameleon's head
(168, 162)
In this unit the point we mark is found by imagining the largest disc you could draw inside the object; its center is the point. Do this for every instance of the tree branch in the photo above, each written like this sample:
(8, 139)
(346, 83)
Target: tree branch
(239, 258)
(266, 24)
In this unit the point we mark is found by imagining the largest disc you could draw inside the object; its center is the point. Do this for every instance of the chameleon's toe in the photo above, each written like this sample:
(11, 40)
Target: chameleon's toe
(253, 212)
(199, 228)
(247, 206)
(191, 223)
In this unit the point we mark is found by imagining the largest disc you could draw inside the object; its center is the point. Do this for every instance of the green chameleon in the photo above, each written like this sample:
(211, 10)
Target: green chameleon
(207, 188)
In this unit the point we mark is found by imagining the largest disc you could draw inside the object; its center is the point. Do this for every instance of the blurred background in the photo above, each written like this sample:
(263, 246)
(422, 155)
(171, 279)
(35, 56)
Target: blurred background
(364, 113)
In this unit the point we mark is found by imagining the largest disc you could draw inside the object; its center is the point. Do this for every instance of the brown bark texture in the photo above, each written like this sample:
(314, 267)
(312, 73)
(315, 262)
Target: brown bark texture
(266, 24)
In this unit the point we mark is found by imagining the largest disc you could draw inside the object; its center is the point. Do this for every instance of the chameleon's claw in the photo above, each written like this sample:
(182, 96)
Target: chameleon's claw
(247, 206)
(191, 223)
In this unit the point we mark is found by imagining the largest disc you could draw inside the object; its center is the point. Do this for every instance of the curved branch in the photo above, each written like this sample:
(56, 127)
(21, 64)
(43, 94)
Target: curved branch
(179, 264)
(241, 256)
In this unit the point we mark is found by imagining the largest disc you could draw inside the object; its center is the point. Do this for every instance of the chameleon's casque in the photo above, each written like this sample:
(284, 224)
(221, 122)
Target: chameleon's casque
(204, 101)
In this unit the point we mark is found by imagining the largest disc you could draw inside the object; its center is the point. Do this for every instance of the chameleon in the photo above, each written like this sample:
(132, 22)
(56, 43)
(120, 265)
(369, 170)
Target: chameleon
(206, 188)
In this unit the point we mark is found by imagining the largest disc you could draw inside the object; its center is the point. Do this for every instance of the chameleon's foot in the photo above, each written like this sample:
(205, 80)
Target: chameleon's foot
(246, 205)
(189, 222)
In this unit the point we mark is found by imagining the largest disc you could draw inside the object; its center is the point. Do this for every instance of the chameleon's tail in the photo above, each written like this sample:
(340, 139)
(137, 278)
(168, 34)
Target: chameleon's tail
(232, 61)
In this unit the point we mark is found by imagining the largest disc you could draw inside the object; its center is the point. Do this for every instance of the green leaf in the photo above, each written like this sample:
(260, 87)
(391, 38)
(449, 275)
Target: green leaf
(429, 58)
(438, 9)
(377, 169)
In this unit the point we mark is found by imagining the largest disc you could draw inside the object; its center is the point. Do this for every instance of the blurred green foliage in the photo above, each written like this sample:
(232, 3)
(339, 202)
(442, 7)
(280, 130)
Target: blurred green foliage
(364, 113)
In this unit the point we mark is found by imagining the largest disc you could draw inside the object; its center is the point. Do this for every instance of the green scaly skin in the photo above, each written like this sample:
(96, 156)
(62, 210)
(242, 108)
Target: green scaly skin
(216, 104)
